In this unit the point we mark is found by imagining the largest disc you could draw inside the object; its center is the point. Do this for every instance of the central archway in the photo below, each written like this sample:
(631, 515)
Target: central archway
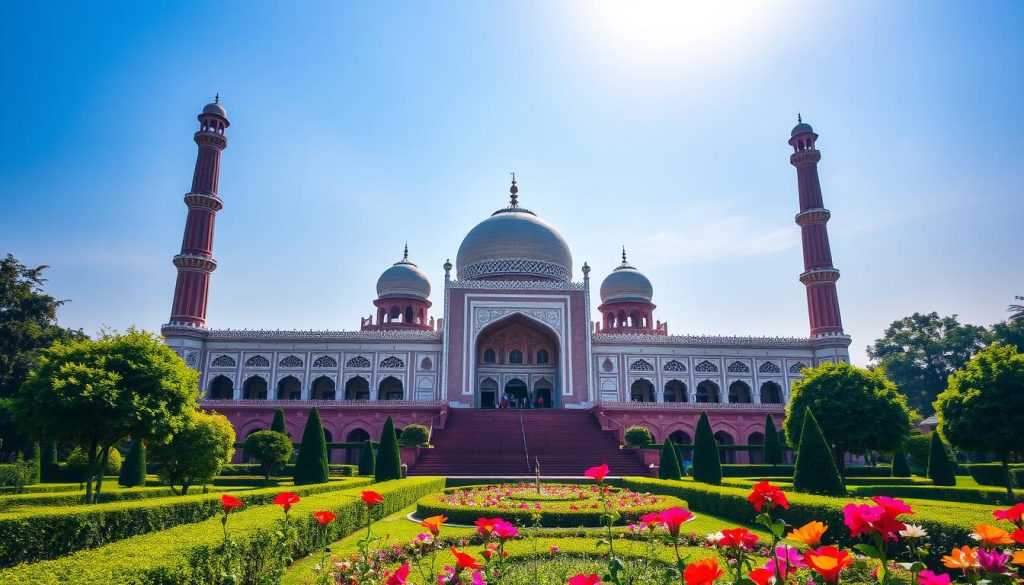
(517, 361)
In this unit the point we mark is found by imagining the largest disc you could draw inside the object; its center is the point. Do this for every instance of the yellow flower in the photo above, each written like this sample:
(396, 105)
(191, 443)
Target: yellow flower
(964, 558)
(809, 534)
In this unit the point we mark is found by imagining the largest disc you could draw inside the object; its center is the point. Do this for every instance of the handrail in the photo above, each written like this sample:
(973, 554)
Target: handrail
(622, 426)
(526, 448)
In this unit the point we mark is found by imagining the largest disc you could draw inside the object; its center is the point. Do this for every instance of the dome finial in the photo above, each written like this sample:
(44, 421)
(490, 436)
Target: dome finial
(514, 199)
(216, 98)
(799, 120)
(623, 254)
(405, 253)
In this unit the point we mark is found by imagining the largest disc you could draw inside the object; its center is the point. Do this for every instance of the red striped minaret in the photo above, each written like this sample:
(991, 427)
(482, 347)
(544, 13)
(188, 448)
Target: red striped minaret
(195, 262)
(819, 276)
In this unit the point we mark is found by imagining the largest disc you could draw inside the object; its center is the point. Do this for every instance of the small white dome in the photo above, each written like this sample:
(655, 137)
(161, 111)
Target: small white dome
(215, 108)
(626, 283)
(403, 279)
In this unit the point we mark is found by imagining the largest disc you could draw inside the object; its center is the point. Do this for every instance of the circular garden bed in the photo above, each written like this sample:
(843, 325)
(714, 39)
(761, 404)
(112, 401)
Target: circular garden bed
(556, 505)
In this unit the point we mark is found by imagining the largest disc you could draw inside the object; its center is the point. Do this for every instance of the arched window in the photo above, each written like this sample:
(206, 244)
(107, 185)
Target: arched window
(390, 389)
(726, 455)
(255, 388)
(675, 391)
(289, 388)
(220, 388)
(489, 356)
(739, 393)
(707, 391)
(323, 388)
(426, 364)
(357, 389)
(641, 391)
(607, 365)
(408, 315)
(515, 357)
(542, 356)
(771, 393)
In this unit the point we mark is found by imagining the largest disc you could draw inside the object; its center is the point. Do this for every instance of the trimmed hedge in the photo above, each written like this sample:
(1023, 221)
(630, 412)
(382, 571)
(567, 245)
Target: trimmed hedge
(186, 555)
(77, 498)
(987, 496)
(235, 469)
(50, 533)
(992, 473)
(900, 465)
(947, 525)
(757, 470)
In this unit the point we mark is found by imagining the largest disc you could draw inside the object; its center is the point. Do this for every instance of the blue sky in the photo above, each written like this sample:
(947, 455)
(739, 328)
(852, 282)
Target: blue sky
(658, 126)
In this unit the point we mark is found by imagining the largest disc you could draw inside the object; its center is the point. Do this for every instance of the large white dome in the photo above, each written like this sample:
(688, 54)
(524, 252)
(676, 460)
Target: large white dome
(513, 243)
(403, 279)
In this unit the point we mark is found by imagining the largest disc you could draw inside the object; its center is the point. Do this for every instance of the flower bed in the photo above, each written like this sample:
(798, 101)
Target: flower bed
(557, 505)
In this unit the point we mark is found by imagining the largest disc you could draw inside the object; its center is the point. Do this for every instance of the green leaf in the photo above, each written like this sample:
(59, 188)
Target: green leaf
(868, 550)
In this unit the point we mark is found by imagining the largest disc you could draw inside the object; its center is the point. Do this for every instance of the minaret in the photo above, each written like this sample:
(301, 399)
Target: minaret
(819, 276)
(195, 262)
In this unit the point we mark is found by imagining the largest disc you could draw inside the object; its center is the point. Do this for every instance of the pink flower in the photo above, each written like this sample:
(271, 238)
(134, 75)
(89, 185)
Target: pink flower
(992, 561)
(864, 519)
(400, 576)
(788, 559)
(598, 473)
(505, 530)
(581, 579)
(1013, 514)
(927, 577)
(673, 518)
(892, 506)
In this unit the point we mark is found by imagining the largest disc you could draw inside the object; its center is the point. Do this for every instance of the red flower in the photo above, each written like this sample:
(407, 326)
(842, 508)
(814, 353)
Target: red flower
(1018, 536)
(230, 503)
(892, 506)
(651, 518)
(766, 493)
(581, 579)
(828, 561)
(400, 575)
(702, 572)
(371, 499)
(673, 518)
(598, 473)
(485, 526)
(464, 561)
(324, 517)
(738, 537)
(1013, 514)
(286, 500)
(761, 576)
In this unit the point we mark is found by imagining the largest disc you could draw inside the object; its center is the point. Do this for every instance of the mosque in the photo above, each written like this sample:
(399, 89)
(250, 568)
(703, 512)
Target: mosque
(513, 326)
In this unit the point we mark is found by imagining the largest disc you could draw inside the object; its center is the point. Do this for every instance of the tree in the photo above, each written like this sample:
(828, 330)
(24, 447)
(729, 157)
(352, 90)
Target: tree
(278, 425)
(311, 464)
(1010, 332)
(983, 408)
(900, 465)
(707, 467)
(414, 436)
(271, 449)
(367, 460)
(1017, 311)
(919, 352)
(941, 469)
(816, 471)
(668, 466)
(638, 436)
(133, 471)
(99, 392)
(772, 447)
(857, 410)
(196, 453)
(389, 459)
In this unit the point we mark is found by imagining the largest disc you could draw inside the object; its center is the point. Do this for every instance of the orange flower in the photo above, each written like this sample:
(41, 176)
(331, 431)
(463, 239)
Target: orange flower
(990, 536)
(433, 524)
(1018, 558)
(809, 534)
(761, 576)
(964, 558)
(464, 561)
(702, 572)
(828, 561)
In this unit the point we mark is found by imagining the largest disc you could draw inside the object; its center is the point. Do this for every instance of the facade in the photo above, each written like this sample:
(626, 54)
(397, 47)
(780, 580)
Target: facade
(513, 326)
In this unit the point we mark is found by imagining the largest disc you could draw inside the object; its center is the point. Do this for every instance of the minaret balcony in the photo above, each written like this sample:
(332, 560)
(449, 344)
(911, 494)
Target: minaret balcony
(819, 275)
(195, 262)
(819, 215)
(204, 200)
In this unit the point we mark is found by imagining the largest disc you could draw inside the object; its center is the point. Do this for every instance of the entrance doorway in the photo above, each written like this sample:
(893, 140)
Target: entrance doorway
(489, 394)
(542, 395)
(518, 394)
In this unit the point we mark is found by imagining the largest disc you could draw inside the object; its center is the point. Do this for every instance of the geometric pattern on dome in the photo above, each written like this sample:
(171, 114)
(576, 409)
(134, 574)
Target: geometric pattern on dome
(795, 368)
(705, 366)
(223, 361)
(641, 366)
(358, 362)
(257, 361)
(291, 362)
(325, 361)
(738, 368)
(392, 362)
(769, 368)
(674, 366)
(511, 266)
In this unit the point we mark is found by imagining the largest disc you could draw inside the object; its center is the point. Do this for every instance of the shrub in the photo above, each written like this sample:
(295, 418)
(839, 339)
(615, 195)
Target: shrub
(133, 470)
(990, 496)
(772, 448)
(278, 425)
(992, 473)
(707, 467)
(271, 449)
(668, 466)
(816, 471)
(197, 451)
(188, 554)
(17, 475)
(638, 436)
(77, 464)
(916, 448)
(76, 497)
(869, 471)
(34, 456)
(941, 469)
(46, 533)
(900, 466)
(414, 436)
(367, 461)
(253, 469)
(757, 470)
(389, 460)
(311, 464)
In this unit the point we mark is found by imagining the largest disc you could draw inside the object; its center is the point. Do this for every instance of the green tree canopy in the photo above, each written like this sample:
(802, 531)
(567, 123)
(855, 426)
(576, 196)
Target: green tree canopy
(857, 410)
(919, 352)
(98, 392)
(1010, 332)
(196, 453)
(270, 448)
(983, 408)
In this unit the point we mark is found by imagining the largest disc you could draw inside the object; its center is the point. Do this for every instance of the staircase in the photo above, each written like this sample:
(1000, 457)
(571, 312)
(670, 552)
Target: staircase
(490, 443)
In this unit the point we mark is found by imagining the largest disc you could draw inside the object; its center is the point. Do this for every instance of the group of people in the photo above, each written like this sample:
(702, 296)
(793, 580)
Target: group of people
(511, 401)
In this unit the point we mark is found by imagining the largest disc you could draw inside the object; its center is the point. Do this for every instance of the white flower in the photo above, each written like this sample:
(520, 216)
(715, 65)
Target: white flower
(913, 531)
(714, 537)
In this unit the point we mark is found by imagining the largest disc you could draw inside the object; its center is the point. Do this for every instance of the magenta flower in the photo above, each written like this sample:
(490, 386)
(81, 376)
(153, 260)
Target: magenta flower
(992, 561)
(788, 558)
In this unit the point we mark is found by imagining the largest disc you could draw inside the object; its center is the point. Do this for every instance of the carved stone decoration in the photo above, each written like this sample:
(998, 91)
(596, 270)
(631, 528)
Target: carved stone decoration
(641, 366)
(257, 361)
(484, 315)
(738, 367)
(514, 266)
(705, 367)
(223, 361)
(795, 368)
(192, 359)
(291, 361)
(674, 366)
(769, 368)
(325, 361)
(358, 362)
(392, 362)
(607, 366)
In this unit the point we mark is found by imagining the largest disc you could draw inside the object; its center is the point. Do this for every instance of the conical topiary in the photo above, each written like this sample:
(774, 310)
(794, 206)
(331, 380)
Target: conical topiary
(34, 455)
(772, 448)
(367, 462)
(940, 469)
(278, 425)
(389, 458)
(668, 467)
(816, 471)
(900, 465)
(707, 467)
(311, 464)
(133, 470)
